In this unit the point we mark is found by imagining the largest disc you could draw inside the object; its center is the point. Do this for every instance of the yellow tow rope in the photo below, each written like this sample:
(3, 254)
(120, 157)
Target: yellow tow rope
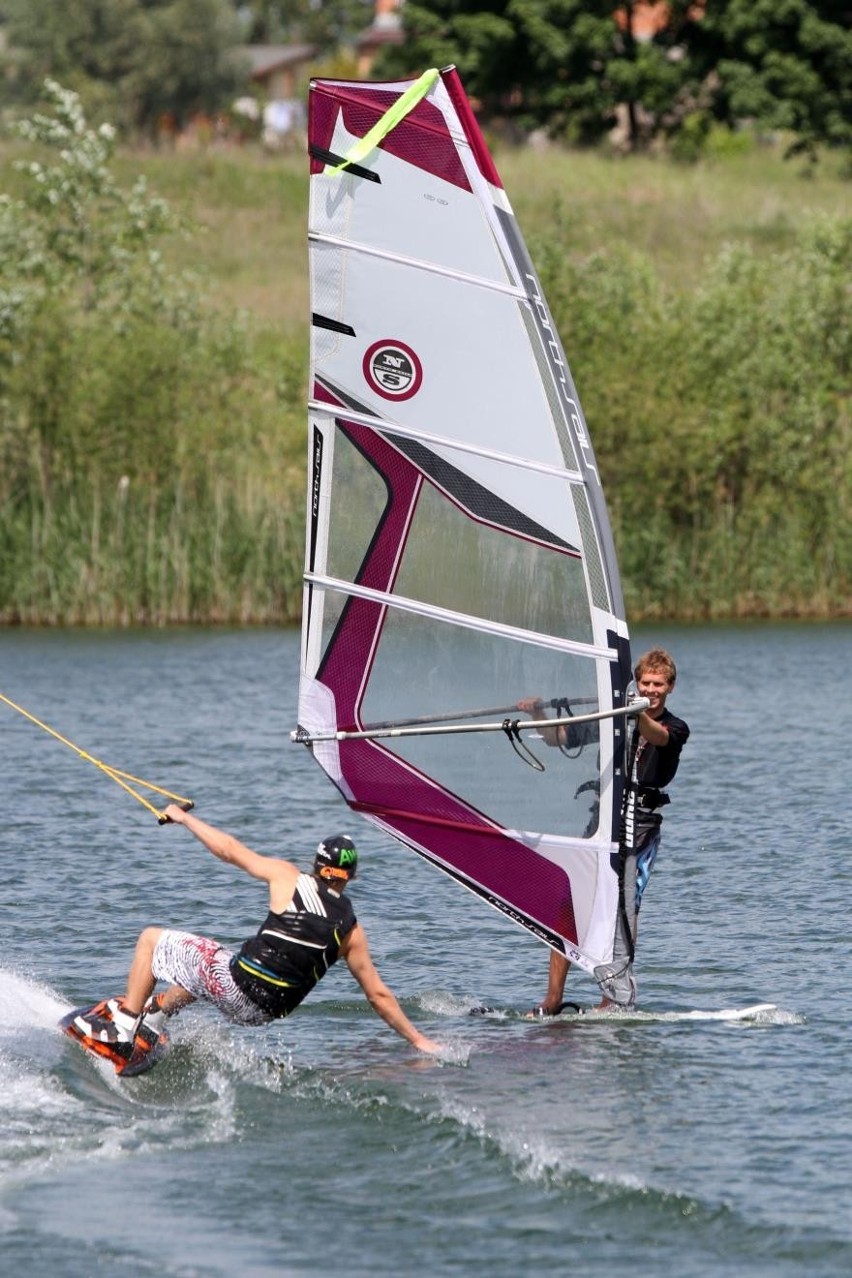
(116, 774)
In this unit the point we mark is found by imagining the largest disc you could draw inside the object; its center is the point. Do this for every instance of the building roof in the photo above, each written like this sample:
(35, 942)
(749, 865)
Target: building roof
(266, 58)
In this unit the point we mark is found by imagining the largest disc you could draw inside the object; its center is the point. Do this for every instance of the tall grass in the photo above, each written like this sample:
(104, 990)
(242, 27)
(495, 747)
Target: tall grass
(152, 455)
(152, 476)
(253, 211)
(721, 417)
(153, 555)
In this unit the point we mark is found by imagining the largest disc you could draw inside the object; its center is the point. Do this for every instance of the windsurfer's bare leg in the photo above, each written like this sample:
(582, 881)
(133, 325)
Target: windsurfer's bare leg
(174, 998)
(556, 976)
(141, 981)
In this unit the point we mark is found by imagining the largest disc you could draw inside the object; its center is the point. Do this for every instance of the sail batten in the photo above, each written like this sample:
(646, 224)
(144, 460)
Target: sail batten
(434, 268)
(458, 547)
(388, 600)
(390, 428)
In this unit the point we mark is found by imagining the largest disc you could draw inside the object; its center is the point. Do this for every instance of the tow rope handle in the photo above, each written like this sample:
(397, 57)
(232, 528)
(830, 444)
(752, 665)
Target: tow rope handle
(187, 806)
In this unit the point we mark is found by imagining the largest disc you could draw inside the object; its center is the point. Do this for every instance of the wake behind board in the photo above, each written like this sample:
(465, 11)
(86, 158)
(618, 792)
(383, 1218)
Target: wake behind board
(142, 1058)
(756, 1013)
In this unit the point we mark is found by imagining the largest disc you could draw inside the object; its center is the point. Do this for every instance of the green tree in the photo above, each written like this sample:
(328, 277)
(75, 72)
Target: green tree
(79, 256)
(564, 65)
(782, 64)
(325, 23)
(262, 21)
(190, 61)
(89, 41)
(569, 65)
(133, 60)
(142, 471)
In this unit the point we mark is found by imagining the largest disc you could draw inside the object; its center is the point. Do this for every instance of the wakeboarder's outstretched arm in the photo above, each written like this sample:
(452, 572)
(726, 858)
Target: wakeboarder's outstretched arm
(356, 952)
(279, 874)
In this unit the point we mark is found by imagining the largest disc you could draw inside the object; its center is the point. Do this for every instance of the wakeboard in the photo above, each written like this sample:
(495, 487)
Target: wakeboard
(142, 1057)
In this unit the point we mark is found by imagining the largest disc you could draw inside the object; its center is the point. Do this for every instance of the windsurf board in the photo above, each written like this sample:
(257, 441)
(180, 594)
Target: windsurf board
(754, 1012)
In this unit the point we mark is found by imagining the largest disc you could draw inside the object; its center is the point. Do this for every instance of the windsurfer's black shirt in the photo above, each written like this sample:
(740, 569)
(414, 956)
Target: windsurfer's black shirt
(294, 949)
(655, 766)
(658, 764)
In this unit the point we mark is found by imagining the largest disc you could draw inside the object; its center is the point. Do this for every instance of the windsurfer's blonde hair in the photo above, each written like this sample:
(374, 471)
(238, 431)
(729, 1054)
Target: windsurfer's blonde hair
(656, 659)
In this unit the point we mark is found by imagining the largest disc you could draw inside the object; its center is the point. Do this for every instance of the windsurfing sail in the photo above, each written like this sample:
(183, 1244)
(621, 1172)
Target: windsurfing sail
(459, 560)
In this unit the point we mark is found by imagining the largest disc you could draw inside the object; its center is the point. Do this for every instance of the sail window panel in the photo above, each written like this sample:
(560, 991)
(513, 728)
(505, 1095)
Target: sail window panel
(423, 667)
(330, 605)
(360, 499)
(531, 502)
(328, 299)
(495, 575)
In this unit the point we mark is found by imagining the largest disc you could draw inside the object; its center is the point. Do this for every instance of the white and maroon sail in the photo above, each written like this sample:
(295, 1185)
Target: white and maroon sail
(459, 558)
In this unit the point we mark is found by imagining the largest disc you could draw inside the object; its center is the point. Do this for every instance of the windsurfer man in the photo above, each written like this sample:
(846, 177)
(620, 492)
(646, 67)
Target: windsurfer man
(654, 755)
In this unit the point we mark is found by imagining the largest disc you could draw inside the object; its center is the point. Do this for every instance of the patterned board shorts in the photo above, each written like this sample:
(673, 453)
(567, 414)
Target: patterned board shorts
(203, 968)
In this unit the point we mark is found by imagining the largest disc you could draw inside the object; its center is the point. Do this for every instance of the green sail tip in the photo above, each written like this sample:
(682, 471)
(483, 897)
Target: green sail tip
(405, 103)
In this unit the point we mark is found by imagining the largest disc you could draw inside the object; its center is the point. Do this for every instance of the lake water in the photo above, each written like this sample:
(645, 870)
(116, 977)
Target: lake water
(324, 1143)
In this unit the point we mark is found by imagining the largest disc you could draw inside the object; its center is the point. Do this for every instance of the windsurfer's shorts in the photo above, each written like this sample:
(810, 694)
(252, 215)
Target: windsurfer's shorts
(644, 865)
(202, 967)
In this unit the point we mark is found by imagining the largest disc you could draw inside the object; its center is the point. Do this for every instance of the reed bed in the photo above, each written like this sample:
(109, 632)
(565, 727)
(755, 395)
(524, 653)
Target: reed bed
(165, 555)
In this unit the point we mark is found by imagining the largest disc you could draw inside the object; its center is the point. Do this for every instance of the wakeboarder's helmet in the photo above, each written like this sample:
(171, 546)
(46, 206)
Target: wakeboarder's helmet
(336, 858)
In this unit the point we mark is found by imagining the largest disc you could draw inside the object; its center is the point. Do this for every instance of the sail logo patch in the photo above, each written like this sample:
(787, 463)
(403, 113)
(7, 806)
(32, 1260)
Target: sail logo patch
(392, 369)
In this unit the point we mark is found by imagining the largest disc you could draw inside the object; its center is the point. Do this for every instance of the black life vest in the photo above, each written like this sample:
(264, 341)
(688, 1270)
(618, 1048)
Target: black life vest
(293, 950)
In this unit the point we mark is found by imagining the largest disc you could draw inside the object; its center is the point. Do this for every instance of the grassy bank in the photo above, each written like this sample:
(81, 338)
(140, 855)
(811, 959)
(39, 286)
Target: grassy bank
(154, 472)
